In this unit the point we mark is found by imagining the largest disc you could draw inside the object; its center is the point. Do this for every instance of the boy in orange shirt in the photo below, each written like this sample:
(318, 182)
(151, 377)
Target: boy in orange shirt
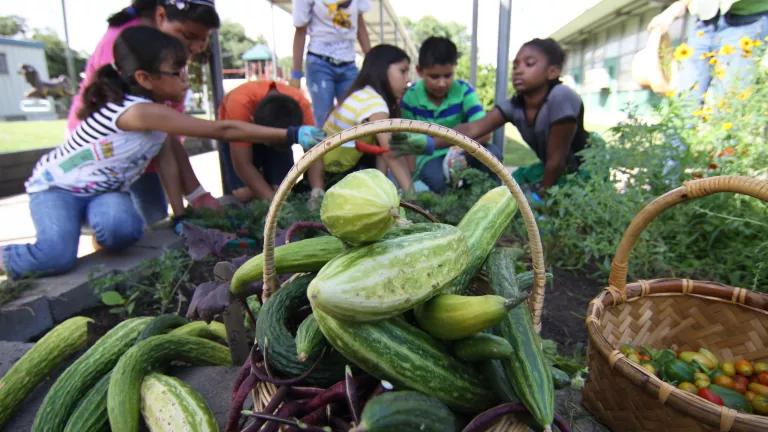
(259, 168)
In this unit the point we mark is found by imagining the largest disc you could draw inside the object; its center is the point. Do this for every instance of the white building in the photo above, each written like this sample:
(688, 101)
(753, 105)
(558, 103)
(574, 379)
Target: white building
(13, 86)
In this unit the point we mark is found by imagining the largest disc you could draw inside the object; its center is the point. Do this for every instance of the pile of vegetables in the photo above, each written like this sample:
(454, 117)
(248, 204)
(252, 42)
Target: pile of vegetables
(741, 385)
(117, 381)
(395, 325)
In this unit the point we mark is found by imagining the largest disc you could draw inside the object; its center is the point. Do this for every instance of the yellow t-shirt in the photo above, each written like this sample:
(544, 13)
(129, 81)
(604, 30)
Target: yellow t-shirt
(357, 108)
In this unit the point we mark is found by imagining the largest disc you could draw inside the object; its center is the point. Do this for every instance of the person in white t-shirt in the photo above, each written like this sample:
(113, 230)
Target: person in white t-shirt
(124, 125)
(332, 27)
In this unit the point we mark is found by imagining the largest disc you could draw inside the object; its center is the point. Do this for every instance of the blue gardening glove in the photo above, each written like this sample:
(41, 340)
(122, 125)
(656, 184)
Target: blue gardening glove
(412, 143)
(306, 136)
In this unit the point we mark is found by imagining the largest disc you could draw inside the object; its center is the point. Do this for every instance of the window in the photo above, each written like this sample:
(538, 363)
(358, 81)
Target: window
(3, 64)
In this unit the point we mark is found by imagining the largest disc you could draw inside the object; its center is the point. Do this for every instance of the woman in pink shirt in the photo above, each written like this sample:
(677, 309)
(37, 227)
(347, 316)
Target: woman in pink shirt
(190, 21)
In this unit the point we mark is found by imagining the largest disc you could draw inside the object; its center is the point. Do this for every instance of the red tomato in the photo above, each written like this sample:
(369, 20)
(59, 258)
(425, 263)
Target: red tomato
(744, 367)
(740, 383)
(762, 378)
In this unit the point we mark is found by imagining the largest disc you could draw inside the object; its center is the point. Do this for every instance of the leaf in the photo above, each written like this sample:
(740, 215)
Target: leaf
(202, 242)
(209, 299)
(112, 298)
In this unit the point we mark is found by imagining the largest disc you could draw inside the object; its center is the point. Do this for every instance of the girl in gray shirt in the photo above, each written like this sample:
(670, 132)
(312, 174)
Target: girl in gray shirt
(548, 114)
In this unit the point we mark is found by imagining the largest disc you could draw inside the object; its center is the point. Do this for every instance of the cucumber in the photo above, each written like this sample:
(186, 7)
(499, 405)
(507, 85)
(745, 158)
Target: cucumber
(405, 411)
(453, 316)
(309, 339)
(482, 346)
(494, 374)
(527, 369)
(301, 256)
(124, 395)
(214, 331)
(560, 378)
(732, 398)
(386, 278)
(279, 345)
(482, 226)
(170, 405)
(398, 352)
(61, 400)
(37, 364)
(90, 415)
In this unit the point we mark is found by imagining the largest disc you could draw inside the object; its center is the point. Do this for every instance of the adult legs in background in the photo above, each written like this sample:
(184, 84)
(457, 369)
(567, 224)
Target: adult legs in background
(694, 75)
(114, 219)
(326, 82)
(345, 76)
(740, 67)
(57, 216)
(149, 199)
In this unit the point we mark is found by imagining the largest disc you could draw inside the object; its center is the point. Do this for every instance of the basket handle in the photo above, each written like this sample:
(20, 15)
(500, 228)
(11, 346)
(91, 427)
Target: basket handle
(536, 300)
(690, 190)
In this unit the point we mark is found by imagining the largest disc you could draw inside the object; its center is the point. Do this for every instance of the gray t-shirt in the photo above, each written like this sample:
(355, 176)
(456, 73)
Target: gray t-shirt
(561, 104)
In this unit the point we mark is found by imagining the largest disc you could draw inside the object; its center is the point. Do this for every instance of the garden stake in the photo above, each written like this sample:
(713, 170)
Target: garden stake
(419, 210)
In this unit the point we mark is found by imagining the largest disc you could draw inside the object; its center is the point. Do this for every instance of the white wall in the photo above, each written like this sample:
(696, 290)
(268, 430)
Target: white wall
(13, 86)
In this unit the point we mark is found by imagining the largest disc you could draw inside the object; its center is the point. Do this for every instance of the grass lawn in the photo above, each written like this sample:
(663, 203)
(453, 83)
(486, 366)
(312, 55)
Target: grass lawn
(18, 136)
(516, 151)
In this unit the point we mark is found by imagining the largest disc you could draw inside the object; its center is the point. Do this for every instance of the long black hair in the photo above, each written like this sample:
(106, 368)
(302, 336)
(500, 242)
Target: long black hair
(137, 48)
(200, 11)
(374, 74)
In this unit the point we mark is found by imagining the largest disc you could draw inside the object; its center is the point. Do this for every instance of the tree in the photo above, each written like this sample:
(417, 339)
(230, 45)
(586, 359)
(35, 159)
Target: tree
(234, 42)
(12, 25)
(428, 26)
(55, 54)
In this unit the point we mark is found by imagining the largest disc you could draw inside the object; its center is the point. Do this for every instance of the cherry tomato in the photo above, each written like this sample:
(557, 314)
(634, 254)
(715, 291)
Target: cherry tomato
(744, 367)
(761, 367)
(728, 368)
(758, 388)
(723, 381)
(740, 383)
(689, 387)
(762, 378)
(749, 395)
(760, 404)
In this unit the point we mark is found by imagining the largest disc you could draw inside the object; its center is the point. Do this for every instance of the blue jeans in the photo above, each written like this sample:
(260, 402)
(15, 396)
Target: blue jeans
(148, 196)
(432, 172)
(326, 82)
(58, 215)
(695, 75)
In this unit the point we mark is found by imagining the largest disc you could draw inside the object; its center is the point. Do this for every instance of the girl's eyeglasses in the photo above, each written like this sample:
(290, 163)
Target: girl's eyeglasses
(181, 73)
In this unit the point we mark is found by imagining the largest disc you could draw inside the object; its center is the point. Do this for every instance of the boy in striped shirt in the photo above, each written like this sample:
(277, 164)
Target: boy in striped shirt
(438, 98)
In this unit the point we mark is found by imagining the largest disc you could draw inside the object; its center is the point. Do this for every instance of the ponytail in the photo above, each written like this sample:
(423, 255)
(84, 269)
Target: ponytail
(108, 86)
(202, 12)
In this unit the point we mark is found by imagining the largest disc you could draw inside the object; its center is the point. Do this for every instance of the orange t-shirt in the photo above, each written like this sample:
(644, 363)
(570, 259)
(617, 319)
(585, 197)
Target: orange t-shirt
(240, 103)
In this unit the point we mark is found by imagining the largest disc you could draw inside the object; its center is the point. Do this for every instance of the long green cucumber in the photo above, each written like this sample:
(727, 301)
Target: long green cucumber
(482, 346)
(124, 395)
(301, 256)
(453, 316)
(405, 411)
(90, 415)
(214, 330)
(36, 364)
(482, 226)
(170, 405)
(86, 371)
(396, 351)
(389, 277)
(527, 369)
(309, 339)
(279, 345)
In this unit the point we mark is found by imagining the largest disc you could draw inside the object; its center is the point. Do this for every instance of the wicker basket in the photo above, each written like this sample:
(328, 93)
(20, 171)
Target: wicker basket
(682, 313)
(264, 391)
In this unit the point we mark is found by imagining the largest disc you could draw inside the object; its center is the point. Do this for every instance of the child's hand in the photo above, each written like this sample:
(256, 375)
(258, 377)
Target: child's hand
(412, 143)
(306, 136)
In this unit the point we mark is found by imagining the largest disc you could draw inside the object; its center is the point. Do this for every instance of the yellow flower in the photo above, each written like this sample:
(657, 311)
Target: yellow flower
(721, 104)
(713, 61)
(726, 49)
(719, 72)
(756, 43)
(744, 94)
(746, 53)
(727, 126)
(683, 52)
(745, 43)
(699, 33)
(670, 93)
(698, 113)
(708, 54)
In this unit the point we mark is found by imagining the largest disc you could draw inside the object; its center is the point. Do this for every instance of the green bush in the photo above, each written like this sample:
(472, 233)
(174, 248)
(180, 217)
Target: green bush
(723, 237)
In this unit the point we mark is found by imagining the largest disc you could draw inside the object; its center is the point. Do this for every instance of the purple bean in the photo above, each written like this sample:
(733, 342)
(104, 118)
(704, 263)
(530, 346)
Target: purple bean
(237, 402)
(487, 418)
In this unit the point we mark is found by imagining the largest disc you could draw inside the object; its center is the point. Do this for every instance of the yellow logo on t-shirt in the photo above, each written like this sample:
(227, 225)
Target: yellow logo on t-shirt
(338, 14)
(107, 149)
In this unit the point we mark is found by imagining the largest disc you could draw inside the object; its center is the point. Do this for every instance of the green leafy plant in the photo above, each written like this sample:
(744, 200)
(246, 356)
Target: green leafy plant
(157, 286)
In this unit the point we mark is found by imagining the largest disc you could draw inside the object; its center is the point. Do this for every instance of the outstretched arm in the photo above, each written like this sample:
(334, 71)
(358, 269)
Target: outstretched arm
(480, 129)
(157, 117)
(559, 145)
(168, 170)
